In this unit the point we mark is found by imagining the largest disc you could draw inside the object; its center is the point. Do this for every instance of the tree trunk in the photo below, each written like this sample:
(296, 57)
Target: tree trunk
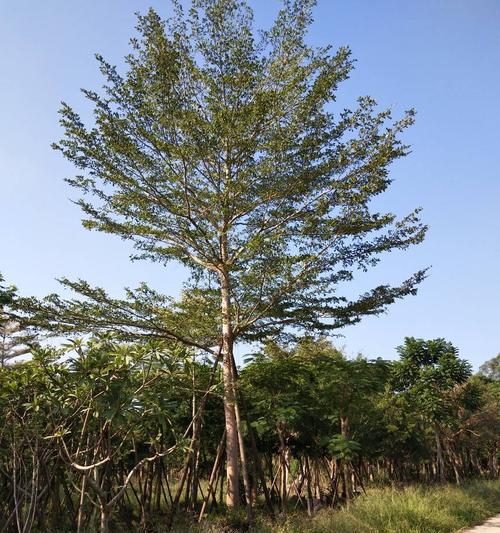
(212, 482)
(232, 466)
(310, 505)
(439, 455)
(103, 517)
(193, 496)
(346, 471)
(283, 486)
(244, 466)
(493, 464)
(454, 461)
(81, 501)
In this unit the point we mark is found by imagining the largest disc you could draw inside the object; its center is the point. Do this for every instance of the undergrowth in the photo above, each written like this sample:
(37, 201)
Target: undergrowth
(415, 509)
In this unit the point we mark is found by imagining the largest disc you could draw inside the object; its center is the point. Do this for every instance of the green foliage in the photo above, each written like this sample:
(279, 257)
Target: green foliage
(427, 373)
(343, 448)
(7, 293)
(307, 390)
(223, 148)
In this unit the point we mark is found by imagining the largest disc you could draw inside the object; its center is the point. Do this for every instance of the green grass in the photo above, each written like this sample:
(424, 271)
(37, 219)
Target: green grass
(416, 509)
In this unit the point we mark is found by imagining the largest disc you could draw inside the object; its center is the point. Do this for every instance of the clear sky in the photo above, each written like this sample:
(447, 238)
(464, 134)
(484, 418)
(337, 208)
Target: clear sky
(440, 56)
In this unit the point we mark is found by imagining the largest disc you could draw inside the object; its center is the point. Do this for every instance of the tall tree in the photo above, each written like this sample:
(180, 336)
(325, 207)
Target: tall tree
(224, 149)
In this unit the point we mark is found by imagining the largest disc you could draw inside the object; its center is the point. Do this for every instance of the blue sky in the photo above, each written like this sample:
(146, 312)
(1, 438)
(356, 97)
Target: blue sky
(441, 57)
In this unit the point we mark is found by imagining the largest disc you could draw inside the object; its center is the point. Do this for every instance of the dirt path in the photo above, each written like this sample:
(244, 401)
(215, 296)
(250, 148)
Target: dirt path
(491, 525)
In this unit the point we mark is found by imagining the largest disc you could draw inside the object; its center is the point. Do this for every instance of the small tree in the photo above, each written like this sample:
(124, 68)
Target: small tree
(310, 400)
(428, 373)
(228, 153)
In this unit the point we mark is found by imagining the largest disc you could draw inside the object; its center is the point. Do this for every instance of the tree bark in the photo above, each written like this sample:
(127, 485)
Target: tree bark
(232, 466)
(244, 466)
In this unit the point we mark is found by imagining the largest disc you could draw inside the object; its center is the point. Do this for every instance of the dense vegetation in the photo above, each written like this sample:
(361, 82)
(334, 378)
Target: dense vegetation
(134, 433)
(224, 149)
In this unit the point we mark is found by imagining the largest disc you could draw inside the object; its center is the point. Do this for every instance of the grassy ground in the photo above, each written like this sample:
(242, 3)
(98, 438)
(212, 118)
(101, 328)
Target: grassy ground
(437, 509)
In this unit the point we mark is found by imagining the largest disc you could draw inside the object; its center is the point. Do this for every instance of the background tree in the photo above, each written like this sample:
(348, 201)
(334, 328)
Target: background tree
(225, 150)
(428, 374)
(14, 339)
(14, 342)
(6, 293)
(491, 369)
(349, 386)
(312, 404)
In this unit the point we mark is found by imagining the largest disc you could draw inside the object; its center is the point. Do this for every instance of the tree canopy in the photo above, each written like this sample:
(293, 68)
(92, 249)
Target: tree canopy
(226, 150)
